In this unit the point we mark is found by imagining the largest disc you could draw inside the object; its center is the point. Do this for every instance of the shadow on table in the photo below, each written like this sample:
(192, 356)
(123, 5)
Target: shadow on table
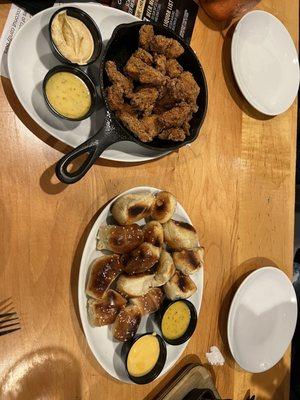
(231, 84)
(273, 387)
(74, 305)
(230, 288)
(49, 373)
(46, 178)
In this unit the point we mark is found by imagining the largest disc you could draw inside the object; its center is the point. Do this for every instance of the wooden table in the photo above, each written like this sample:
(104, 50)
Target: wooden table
(237, 184)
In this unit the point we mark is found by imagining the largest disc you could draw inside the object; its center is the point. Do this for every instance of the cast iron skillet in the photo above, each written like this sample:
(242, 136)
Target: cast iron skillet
(123, 43)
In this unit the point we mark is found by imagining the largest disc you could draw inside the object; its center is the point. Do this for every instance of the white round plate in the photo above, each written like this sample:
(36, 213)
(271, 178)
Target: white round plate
(265, 62)
(105, 349)
(30, 58)
(262, 319)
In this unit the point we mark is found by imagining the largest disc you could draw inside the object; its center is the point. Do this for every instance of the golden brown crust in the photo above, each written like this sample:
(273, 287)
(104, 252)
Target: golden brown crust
(189, 261)
(165, 269)
(160, 62)
(104, 311)
(118, 78)
(162, 99)
(173, 68)
(154, 233)
(143, 99)
(127, 323)
(141, 259)
(131, 208)
(143, 73)
(144, 56)
(163, 207)
(180, 286)
(104, 270)
(174, 134)
(180, 235)
(134, 285)
(175, 117)
(146, 35)
(150, 302)
(119, 239)
(171, 48)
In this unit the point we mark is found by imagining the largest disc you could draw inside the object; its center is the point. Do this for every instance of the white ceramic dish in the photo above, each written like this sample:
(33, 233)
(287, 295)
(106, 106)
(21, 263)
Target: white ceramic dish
(262, 319)
(265, 62)
(104, 348)
(28, 64)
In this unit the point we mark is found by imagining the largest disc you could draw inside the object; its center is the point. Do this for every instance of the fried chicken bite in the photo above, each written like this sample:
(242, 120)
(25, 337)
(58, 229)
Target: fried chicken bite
(115, 97)
(184, 88)
(144, 99)
(171, 48)
(160, 63)
(116, 101)
(174, 134)
(151, 122)
(175, 117)
(118, 78)
(145, 36)
(140, 71)
(173, 68)
(145, 128)
(144, 56)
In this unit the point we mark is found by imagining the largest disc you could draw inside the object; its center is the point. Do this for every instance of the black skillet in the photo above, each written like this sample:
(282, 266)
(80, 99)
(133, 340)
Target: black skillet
(123, 43)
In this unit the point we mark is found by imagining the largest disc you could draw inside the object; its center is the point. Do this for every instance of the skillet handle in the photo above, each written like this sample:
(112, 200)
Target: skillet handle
(94, 146)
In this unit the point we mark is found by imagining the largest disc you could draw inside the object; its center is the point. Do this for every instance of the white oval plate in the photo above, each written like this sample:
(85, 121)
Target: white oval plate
(262, 319)
(29, 63)
(265, 62)
(105, 349)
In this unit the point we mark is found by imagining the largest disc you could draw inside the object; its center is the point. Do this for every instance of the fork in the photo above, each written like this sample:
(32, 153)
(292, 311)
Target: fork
(8, 318)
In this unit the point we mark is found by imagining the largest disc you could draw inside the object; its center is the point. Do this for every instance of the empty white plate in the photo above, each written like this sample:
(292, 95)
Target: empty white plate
(262, 319)
(265, 62)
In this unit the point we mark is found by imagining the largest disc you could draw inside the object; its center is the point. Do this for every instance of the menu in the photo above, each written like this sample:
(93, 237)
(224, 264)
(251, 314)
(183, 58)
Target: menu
(17, 17)
(177, 15)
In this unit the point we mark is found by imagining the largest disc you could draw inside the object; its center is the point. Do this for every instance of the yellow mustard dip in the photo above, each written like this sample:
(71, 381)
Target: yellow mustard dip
(176, 320)
(68, 95)
(143, 356)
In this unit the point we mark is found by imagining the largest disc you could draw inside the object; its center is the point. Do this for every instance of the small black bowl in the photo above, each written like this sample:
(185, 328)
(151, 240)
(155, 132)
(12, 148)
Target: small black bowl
(190, 329)
(83, 76)
(89, 23)
(156, 370)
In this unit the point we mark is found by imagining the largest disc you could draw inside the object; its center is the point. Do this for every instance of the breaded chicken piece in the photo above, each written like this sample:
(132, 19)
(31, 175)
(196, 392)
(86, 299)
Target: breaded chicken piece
(173, 68)
(171, 48)
(186, 127)
(140, 71)
(145, 129)
(118, 78)
(116, 100)
(174, 134)
(144, 99)
(144, 56)
(151, 124)
(115, 97)
(145, 36)
(160, 63)
(175, 117)
(184, 88)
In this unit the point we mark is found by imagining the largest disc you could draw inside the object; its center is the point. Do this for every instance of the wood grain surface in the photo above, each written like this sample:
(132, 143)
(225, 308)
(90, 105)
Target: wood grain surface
(237, 183)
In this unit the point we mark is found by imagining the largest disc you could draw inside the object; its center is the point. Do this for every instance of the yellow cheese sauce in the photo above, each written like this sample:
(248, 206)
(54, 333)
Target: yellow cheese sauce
(143, 356)
(68, 95)
(176, 320)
